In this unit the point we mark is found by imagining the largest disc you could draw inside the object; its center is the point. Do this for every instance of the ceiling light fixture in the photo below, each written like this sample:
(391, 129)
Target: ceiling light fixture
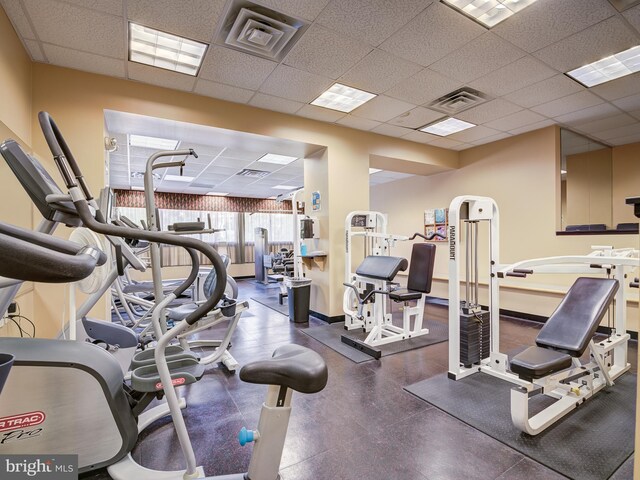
(342, 98)
(284, 187)
(275, 158)
(374, 170)
(488, 12)
(217, 194)
(609, 68)
(164, 50)
(446, 127)
(152, 142)
(178, 178)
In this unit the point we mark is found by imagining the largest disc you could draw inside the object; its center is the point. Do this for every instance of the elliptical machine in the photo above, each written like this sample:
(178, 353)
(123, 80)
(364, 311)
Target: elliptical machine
(75, 389)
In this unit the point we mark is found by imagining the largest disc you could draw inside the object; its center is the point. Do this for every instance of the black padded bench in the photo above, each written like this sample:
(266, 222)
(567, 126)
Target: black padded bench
(423, 258)
(380, 267)
(568, 331)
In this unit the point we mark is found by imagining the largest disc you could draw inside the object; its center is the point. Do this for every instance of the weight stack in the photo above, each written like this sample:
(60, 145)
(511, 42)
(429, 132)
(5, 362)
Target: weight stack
(475, 337)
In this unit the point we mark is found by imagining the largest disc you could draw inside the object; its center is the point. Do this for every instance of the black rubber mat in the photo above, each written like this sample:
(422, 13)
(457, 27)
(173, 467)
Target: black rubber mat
(591, 442)
(330, 335)
(271, 301)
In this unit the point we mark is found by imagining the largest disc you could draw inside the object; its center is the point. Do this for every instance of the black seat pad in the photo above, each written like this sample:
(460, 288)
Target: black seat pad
(537, 362)
(573, 324)
(404, 295)
(181, 312)
(382, 267)
(292, 366)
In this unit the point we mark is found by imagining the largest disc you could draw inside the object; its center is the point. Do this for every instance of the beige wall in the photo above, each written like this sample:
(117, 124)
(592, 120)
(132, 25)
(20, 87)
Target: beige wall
(626, 181)
(589, 188)
(520, 174)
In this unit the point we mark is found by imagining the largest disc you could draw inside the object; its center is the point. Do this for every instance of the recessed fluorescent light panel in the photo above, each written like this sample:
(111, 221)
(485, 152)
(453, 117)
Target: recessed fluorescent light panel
(152, 142)
(446, 127)
(342, 98)
(489, 12)
(279, 159)
(164, 50)
(217, 194)
(374, 170)
(284, 187)
(178, 178)
(609, 68)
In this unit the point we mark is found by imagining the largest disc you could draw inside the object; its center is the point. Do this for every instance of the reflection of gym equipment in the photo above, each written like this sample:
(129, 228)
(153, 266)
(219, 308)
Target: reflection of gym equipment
(552, 367)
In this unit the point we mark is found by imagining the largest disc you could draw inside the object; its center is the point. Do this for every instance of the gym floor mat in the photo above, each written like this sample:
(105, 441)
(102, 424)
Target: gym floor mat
(271, 301)
(330, 335)
(591, 442)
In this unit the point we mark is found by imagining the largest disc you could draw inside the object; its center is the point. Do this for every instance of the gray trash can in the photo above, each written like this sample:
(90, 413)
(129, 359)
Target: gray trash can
(298, 294)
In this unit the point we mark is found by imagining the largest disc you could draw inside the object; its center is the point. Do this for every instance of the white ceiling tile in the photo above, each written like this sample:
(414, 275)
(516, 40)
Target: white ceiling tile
(379, 71)
(462, 146)
(635, 114)
(633, 17)
(485, 54)
(224, 65)
(160, 77)
(493, 138)
(544, 91)
(277, 104)
(625, 140)
(619, 88)
(294, 84)
(632, 102)
(325, 52)
(619, 132)
(382, 108)
(473, 134)
(196, 19)
(114, 7)
(223, 92)
(18, 18)
(421, 137)
(546, 22)
(88, 62)
(568, 104)
(608, 123)
(531, 127)
(307, 9)
(594, 43)
(392, 130)
(429, 36)
(372, 21)
(521, 73)
(515, 120)
(423, 87)
(34, 50)
(357, 122)
(418, 117)
(76, 27)
(489, 111)
(320, 113)
(446, 143)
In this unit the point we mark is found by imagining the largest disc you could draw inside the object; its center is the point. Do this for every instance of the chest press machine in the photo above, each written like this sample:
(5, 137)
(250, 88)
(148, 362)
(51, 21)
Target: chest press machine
(552, 367)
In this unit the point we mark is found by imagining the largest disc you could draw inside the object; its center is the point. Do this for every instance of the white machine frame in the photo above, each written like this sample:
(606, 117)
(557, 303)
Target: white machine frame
(569, 387)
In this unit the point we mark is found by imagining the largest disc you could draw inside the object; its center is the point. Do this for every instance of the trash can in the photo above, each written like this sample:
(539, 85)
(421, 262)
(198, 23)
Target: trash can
(298, 294)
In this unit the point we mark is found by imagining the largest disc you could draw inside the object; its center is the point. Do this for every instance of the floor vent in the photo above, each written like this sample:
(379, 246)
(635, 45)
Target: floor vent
(248, 172)
(458, 101)
(258, 30)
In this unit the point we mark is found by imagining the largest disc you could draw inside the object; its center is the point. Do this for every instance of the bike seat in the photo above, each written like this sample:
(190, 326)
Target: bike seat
(291, 366)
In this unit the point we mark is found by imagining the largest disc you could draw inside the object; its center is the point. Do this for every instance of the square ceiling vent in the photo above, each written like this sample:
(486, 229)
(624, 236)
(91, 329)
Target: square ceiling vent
(259, 30)
(458, 101)
(248, 172)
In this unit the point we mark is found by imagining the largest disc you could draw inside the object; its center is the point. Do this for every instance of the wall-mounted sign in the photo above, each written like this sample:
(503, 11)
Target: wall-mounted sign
(315, 201)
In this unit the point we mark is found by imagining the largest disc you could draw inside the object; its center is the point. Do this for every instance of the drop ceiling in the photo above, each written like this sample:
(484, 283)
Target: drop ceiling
(222, 154)
(409, 52)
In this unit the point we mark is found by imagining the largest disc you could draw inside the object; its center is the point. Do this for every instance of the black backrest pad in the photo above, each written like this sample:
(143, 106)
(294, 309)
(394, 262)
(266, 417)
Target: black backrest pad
(34, 179)
(382, 267)
(573, 324)
(423, 258)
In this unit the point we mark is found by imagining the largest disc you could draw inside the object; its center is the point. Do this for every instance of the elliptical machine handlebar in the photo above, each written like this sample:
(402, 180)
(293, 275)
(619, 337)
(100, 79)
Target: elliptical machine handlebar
(83, 200)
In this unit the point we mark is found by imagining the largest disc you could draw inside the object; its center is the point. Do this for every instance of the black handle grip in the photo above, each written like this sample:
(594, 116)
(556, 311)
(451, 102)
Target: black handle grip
(526, 271)
(429, 237)
(516, 274)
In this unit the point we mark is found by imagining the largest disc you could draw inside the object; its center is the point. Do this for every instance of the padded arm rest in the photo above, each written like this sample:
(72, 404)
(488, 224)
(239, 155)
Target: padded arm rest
(382, 267)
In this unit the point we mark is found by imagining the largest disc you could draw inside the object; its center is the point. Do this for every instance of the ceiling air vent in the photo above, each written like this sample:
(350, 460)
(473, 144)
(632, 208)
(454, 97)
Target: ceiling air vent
(259, 30)
(458, 101)
(248, 172)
